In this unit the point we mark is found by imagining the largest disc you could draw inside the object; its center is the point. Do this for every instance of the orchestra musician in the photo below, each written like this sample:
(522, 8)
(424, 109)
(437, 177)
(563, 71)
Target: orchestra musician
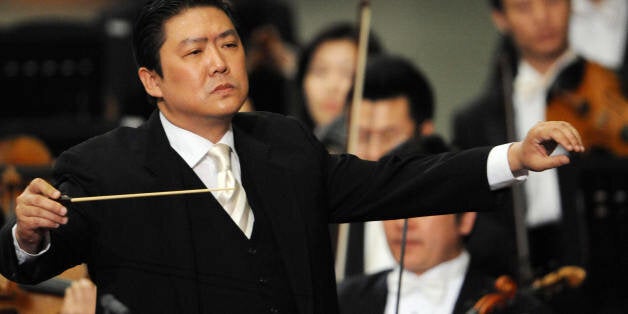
(535, 52)
(397, 106)
(324, 77)
(396, 114)
(437, 276)
(271, 251)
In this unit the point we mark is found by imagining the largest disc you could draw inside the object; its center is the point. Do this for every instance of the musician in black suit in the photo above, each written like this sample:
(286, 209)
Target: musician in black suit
(271, 251)
(436, 277)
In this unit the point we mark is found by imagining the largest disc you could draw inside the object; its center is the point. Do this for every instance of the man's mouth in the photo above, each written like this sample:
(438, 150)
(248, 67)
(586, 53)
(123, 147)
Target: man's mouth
(222, 87)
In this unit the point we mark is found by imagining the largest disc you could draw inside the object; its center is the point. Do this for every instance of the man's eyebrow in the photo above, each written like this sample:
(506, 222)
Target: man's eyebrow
(227, 33)
(194, 40)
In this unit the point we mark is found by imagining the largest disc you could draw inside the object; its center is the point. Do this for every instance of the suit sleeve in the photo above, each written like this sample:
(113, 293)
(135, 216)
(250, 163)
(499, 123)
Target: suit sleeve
(408, 185)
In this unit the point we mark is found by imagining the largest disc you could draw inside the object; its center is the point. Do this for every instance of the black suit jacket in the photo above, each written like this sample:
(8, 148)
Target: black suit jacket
(367, 294)
(141, 250)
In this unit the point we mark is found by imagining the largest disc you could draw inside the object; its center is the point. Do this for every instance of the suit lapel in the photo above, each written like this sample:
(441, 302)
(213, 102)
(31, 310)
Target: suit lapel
(269, 189)
(474, 287)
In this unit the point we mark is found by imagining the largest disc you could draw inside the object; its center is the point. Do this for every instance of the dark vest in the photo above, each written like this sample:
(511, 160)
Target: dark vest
(235, 274)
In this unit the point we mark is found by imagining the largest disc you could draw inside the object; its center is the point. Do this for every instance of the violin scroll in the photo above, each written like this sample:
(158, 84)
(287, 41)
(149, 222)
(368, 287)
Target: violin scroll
(506, 289)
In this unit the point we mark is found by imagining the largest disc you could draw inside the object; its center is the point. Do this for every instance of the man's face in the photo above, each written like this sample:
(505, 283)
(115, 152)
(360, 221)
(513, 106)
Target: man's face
(430, 240)
(204, 75)
(383, 124)
(538, 27)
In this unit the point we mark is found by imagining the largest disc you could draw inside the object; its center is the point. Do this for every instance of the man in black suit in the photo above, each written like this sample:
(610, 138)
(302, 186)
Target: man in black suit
(187, 254)
(436, 278)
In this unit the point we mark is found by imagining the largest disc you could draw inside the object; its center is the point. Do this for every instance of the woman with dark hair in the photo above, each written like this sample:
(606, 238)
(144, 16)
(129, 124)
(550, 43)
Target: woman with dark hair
(325, 75)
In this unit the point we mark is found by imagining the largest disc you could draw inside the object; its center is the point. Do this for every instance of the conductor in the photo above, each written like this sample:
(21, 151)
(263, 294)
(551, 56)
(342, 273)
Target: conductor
(262, 246)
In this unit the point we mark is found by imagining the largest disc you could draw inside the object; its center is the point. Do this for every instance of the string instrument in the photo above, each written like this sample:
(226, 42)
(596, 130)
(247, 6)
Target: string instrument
(589, 97)
(21, 159)
(506, 288)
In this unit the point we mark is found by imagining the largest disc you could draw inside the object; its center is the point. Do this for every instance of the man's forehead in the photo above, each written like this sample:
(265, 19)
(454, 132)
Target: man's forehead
(200, 19)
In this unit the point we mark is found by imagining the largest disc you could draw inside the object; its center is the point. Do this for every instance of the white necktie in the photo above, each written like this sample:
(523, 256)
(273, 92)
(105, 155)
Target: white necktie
(233, 201)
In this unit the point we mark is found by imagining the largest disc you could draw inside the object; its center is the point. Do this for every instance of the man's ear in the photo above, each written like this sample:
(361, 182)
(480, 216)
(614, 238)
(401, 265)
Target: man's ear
(151, 81)
(466, 223)
(500, 21)
(427, 127)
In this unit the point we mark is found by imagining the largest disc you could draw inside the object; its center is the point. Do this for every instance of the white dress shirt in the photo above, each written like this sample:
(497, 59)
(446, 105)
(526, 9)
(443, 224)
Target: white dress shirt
(598, 31)
(529, 100)
(193, 149)
(434, 292)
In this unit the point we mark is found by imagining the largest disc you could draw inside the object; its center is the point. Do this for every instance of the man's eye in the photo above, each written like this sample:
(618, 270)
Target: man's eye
(194, 52)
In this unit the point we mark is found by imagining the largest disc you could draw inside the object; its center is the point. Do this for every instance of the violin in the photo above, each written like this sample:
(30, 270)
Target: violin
(506, 288)
(589, 97)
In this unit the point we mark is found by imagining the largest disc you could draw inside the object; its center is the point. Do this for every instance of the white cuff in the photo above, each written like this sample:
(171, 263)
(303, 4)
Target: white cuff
(498, 169)
(23, 256)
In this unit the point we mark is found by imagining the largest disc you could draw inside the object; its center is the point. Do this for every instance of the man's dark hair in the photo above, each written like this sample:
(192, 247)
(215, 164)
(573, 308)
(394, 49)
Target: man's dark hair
(392, 76)
(148, 32)
(496, 4)
(338, 31)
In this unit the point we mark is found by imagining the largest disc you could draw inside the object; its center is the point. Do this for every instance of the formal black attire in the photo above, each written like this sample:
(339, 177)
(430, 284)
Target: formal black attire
(183, 254)
(482, 122)
(367, 294)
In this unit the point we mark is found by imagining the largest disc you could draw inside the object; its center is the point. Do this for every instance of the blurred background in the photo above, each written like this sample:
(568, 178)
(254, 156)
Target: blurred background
(451, 40)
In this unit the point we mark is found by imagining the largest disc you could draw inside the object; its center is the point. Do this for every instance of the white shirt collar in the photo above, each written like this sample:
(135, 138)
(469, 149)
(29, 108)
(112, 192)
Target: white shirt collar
(527, 73)
(444, 273)
(612, 10)
(190, 146)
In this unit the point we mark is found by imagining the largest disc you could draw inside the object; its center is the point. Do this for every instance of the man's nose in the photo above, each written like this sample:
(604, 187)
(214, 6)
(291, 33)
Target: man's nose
(216, 62)
(540, 11)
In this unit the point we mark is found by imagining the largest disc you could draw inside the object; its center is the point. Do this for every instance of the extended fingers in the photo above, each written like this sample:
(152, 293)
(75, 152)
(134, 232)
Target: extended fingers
(564, 134)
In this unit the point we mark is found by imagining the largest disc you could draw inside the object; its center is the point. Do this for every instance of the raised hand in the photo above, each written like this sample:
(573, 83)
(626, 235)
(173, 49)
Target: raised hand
(37, 212)
(533, 153)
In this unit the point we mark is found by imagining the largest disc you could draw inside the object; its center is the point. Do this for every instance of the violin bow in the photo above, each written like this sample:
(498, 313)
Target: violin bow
(353, 136)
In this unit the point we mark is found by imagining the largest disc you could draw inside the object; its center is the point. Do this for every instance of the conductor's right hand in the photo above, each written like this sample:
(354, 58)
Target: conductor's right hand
(37, 212)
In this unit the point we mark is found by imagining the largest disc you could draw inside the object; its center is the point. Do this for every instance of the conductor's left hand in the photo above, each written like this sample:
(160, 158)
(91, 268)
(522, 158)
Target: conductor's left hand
(533, 153)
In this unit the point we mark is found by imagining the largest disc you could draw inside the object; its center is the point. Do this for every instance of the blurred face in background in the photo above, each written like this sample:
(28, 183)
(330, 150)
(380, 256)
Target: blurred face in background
(431, 240)
(538, 27)
(383, 125)
(328, 79)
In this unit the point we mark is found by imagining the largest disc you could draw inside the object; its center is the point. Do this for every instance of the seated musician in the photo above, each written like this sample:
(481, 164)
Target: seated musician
(436, 275)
